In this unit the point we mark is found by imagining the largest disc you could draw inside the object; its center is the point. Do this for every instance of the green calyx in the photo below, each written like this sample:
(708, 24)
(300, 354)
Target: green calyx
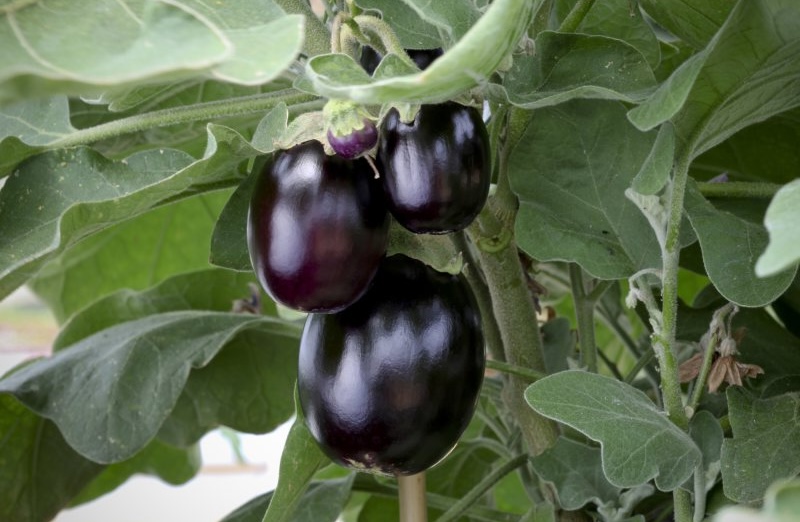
(343, 117)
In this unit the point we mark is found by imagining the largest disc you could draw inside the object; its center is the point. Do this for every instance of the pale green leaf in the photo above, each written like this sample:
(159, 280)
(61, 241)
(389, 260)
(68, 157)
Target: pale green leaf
(454, 17)
(265, 41)
(64, 46)
(40, 473)
(25, 127)
(413, 31)
(567, 66)
(781, 221)
(468, 63)
(110, 392)
(576, 471)
(752, 72)
(765, 446)
(570, 170)
(656, 169)
(731, 245)
(638, 441)
(781, 504)
(670, 96)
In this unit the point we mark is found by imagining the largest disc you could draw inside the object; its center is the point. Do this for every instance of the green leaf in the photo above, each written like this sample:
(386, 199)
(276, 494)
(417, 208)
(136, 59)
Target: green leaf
(40, 473)
(465, 65)
(62, 196)
(321, 502)
(656, 169)
(576, 471)
(412, 31)
(229, 240)
(301, 458)
(706, 432)
(265, 41)
(693, 22)
(559, 344)
(765, 151)
(211, 289)
(110, 392)
(781, 221)
(454, 17)
(568, 66)
(246, 387)
(45, 48)
(26, 127)
(133, 254)
(670, 96)
(781, 504)
(765, 446)
(172, 465)
(570, 169)
(752, 72)
(621, 20)
(731, 246)
(638, 441)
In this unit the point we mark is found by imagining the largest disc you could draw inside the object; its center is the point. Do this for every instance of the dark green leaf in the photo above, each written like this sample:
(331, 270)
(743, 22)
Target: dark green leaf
(731, 247)
(621, 20)
(576, 471)
(247, 386)
(133, 254)
(765, 446)
(638, 441)
(694, 22)
(110, 392)
(454, 17)
(656, 169)
(571, 168)
(752, 72)
(211, 289)
(60, 197)
(301, 458)
(707, 433)
(568, 66)
(229, 240)
(559, 344)
(172, 465)
(39, 472)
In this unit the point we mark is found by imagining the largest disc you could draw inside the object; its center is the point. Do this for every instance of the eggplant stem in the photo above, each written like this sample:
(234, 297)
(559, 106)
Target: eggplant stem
(413, 505)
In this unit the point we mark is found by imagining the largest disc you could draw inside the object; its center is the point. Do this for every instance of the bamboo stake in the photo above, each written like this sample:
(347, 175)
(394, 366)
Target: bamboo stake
(413, 506)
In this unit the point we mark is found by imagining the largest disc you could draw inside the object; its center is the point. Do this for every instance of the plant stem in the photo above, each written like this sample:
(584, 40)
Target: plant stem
(702, 377)
(299, 102)
(643, 361)
(575, 17)
(413, 505)
(699, 494)
(457, 509)
(584, 315)
(512, 369)
(317, 36)
(739, 189)
(665, 336)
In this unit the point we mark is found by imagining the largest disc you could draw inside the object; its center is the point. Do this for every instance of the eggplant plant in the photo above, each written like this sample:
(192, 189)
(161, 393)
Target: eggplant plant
(542, 254)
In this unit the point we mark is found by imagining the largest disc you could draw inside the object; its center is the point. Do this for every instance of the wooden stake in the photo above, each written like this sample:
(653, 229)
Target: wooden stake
(413, 505)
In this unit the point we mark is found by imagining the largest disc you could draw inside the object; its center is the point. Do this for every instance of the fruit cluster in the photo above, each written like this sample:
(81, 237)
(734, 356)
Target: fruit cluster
(392, 354)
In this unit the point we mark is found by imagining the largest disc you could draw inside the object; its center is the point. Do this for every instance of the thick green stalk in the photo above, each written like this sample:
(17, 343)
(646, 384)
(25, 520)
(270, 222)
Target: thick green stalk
(297, 102)
(584, 315)
(575, 17)
(739, 189)
(317, 37)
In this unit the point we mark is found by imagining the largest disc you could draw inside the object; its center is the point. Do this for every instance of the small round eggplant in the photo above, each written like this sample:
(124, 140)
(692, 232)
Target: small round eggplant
(356, 143)
(317, 228)
(436, 169)
(389, 384)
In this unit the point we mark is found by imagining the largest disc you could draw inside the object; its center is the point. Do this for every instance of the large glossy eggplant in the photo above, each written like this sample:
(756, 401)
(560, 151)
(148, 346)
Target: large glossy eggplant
(317, 228)
(389, 384)
(436, 169)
